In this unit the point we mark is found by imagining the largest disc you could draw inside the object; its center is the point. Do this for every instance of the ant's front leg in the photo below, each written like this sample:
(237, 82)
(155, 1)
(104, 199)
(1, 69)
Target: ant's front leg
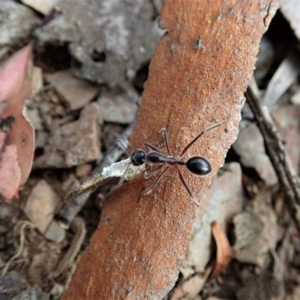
(166, 141)
(150, 147)
(165, 134)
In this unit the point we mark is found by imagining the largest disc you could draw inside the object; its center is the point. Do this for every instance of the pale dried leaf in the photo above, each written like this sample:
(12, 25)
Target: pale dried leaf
(285, 75)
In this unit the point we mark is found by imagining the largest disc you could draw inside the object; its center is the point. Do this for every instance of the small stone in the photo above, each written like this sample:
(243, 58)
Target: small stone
(37, 80)
(55, 233)
(70, 183)
(41, 139)
(250, 147)
(18, 25)
(11, 280)
(83, 170)
(41, 205)
(42, 6)
(264, 59)
(34, 118)
(118, 106)
(295, 99)
(255, 232)
(57, 290)
(32, 293)
(76, 92)
(74, 143)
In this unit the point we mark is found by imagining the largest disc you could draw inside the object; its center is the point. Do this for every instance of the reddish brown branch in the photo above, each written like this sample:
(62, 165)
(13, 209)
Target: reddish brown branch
(135, 252)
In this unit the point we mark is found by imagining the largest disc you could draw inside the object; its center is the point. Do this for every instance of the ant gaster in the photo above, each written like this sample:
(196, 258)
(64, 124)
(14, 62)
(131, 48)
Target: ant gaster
(197, 165)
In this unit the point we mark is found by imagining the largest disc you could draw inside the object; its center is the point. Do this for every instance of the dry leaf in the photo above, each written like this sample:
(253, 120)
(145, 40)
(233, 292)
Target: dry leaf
(15, 78)
(285, 75)
(224, 252)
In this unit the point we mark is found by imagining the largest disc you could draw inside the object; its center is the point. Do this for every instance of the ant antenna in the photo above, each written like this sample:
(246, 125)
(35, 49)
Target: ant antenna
(121, 143)
(198, 136)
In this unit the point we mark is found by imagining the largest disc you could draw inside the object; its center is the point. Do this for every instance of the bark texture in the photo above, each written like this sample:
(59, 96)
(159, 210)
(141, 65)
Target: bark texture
(197, 78)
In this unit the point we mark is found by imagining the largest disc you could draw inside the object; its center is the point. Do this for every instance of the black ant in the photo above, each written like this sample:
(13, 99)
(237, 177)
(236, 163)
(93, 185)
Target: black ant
(197, 165)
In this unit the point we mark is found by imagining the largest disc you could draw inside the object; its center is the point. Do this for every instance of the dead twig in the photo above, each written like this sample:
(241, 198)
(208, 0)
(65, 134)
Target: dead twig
(287, 176)
(23, 225)
(78, 227)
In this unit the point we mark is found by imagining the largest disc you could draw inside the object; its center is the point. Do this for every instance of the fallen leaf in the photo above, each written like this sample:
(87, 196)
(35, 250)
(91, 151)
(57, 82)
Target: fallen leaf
(15, 78)
(10, 173)
(255, 232)
(224, 252)
(251, 149)
(285, 75)
(78, 93)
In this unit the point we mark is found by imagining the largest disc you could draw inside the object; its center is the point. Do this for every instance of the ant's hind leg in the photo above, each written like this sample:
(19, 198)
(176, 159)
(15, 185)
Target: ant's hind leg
(159, 178)
(186, 186)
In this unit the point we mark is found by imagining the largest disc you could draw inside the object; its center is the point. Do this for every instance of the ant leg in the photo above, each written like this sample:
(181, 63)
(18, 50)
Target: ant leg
(123, 177)
(186, 186)
(165, 134)
(159, 178)
(153, 172)
(198, 136)
(183, 181)
(151, 147)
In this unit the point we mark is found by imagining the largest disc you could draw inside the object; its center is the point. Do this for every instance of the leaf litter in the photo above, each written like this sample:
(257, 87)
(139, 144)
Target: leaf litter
(70, 134)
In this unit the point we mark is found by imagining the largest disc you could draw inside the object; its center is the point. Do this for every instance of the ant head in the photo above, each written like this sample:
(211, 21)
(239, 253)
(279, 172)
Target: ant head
(198, 165)
(138, 157)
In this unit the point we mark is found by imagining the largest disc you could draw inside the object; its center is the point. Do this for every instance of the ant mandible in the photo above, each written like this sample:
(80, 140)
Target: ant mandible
(197, 165)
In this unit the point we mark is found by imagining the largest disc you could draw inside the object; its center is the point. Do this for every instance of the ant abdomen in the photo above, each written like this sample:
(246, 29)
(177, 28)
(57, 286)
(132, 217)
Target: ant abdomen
(198, 165)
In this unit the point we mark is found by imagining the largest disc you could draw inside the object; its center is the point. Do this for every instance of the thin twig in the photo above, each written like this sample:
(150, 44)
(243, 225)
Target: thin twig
(79, 228)
(23, 224)
(287, 176)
